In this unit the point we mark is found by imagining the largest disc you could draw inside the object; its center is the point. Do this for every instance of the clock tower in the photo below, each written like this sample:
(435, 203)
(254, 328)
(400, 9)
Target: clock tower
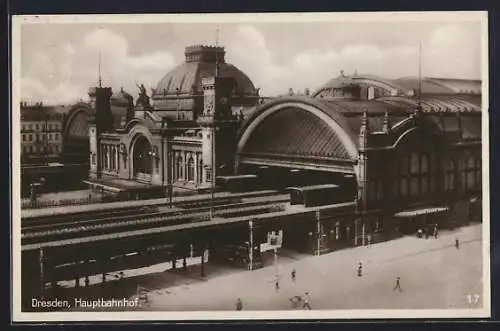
(218, 127)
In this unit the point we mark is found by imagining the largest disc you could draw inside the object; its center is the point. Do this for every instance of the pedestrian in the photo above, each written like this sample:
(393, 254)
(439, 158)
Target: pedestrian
(293, 275)
(398, 285)
(360, 269)
(306, 301)
(426, 230)
(239, 304)
(457, 243)
(277, 285)
(435, 231)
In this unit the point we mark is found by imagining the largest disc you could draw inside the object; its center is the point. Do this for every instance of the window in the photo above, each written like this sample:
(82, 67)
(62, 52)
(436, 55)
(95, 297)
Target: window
(190, 169)
(424, 174)
(24, 137)
(200, 169)
(209, 175)
(37, 137)
(479, 181)
(179, 167)
(50, 136)
(37, 127)
(403, 172)
(450, 176)
(112, 159)
(415, 175)
(470, 173)
(56, 136)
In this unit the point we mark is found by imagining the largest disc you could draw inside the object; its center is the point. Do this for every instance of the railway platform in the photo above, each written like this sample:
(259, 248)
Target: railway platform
(64, 210)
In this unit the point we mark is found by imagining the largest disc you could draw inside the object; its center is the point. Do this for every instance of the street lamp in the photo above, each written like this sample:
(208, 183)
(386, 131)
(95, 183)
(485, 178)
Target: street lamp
(318, 230)
(250, 225)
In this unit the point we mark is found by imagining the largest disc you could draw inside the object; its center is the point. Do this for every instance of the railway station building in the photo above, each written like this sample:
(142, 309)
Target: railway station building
(405, 150)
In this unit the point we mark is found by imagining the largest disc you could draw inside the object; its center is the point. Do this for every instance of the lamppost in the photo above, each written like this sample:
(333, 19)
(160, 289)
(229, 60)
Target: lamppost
(318, 231)
(250, 225)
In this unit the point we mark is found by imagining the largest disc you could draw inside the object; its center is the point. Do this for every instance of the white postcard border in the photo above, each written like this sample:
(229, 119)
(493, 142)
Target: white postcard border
(18, 21)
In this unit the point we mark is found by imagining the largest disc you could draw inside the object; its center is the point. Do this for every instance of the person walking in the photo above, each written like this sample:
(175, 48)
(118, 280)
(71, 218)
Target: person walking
(398, 285)
(435, 231)
(457, 243)
(293, 273)
(239, 304)
(277, 284)
(306, 301)
(360, 269)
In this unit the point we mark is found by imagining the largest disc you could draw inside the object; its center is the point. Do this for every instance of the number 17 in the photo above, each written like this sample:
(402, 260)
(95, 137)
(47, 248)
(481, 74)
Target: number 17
(473, 298)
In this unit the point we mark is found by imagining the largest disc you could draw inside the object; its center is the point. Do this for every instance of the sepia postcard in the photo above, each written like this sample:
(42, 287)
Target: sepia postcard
(250, 166)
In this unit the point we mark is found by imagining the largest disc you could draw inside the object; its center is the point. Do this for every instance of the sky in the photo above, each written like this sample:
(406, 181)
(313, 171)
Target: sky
(59, 62)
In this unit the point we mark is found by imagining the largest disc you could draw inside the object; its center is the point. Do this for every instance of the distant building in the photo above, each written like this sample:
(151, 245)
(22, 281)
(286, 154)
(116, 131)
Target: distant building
(53, 134)
(41, 133)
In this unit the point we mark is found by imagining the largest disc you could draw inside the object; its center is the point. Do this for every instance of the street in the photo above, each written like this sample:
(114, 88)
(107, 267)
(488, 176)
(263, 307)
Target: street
(433, 272)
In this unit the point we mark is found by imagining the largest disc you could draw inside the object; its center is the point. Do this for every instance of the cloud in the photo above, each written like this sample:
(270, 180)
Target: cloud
(62, 93)
(451, 51)
(64, 72)
(62, 69)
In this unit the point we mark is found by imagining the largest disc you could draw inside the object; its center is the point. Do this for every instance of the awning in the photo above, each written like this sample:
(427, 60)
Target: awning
(421, 211)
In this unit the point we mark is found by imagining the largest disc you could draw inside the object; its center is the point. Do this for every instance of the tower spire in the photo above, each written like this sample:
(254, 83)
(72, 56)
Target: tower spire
(100, 78)
(420, 70)
(419, 97)
(217, 52)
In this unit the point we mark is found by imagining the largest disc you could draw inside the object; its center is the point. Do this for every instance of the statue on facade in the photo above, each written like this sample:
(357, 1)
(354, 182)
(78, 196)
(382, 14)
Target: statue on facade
(241, 116)
(143, 99)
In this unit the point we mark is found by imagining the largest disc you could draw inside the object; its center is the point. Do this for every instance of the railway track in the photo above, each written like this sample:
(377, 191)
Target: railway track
(44, 233)
(32, 221)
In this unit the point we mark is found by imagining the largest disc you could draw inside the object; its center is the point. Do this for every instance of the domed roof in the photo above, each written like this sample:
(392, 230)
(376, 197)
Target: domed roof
(201, 61)
(358, 80)
(121, 97)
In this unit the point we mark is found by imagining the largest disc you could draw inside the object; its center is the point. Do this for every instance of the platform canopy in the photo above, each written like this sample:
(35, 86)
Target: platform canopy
(421, 211)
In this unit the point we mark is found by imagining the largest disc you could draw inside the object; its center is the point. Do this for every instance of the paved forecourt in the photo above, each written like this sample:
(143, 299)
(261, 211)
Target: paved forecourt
(434, 274)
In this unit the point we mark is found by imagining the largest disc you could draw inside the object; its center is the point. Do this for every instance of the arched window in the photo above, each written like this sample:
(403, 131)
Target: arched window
(450, 176)
(113, 158)
(190, 169)
(403, 173)
(200, 169)
(424, 174)
(415, 175)
(180, 167)
(106, 151)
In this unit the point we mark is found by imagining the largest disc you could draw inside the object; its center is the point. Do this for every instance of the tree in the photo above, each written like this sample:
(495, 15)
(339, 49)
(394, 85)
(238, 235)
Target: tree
(307, 91)
(290, 91)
